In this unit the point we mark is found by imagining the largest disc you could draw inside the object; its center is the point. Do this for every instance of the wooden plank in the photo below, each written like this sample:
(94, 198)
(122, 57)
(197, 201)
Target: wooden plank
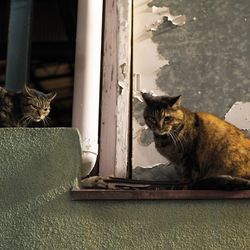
(115, 89)
(102, 194)
(109, 91)
(124, 14)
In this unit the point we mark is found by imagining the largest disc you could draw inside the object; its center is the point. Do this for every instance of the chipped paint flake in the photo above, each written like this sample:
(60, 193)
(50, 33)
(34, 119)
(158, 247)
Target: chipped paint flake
(121, 87)
(179, 20)
(156, 17)
(123, 68)
(161, 11)
(165, 12)
(144, 50)
(239, 115)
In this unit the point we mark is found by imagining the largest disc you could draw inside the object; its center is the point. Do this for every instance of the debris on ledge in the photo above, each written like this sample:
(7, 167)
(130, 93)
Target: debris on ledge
(99, 182)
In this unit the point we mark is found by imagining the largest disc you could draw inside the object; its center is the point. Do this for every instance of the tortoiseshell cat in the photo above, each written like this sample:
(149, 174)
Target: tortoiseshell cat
(208, 153)
(21, 109)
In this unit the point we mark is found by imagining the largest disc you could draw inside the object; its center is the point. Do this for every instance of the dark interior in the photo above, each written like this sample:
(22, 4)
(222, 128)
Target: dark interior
(52, 52)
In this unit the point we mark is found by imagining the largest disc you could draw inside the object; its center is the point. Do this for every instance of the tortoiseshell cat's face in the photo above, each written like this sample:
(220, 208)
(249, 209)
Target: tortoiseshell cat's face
(36, 105)
(162, 114)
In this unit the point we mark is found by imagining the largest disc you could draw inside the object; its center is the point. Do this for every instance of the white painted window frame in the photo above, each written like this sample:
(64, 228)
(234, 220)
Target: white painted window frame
(115, 124)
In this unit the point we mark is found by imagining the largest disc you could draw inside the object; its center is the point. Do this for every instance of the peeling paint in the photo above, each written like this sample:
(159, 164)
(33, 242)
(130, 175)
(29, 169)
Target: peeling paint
(219, 73)
(138, 107)
(239, 115)
(164, 12)
(157, 16)
(137, 87)
(123, 68)
(120, 87)
(207, 59)
(145, 75)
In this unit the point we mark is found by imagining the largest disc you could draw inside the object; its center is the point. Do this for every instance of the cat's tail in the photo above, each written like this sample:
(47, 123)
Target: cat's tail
(222, 182)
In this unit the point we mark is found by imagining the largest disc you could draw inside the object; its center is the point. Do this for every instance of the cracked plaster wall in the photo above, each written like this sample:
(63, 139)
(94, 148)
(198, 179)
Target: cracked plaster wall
(206, 60)
(37, 169)
(209, 57)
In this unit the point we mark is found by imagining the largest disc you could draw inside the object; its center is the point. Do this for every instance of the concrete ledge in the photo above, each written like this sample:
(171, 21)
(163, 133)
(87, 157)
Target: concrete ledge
(37, 168)
(34, 160)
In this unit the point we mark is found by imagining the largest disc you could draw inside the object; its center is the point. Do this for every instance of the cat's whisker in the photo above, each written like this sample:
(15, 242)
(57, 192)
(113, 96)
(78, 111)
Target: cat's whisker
(181, 137)
(179, 134)
(181, 142)
(26, 119)
(29, 120)
(178, 140)
(173, 139)
(46, 121)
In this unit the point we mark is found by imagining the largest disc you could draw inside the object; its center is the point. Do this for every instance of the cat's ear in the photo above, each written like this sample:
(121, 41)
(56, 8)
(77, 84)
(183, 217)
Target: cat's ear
(51, 96)
(175, 102)
(147, 97)
(28, 91)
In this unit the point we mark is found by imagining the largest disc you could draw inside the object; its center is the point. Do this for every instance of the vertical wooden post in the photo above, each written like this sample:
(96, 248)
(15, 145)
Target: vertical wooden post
(124, 91)
(115, 88)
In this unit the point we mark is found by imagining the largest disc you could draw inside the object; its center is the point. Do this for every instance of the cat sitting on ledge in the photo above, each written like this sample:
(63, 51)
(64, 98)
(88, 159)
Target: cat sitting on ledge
(209, 153)
(22, 109)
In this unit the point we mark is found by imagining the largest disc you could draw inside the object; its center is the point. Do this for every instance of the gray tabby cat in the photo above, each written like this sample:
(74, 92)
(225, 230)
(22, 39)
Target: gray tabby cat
(22, 109)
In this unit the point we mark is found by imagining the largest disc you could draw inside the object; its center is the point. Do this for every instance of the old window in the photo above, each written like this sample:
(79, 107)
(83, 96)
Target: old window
(170, 47)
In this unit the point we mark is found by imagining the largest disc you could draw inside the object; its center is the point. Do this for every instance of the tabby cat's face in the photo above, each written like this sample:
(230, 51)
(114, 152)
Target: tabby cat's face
(36, 105)
(162, 114)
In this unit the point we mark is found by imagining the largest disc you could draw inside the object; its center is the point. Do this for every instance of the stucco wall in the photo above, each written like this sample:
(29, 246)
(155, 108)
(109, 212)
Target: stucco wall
(38, 167)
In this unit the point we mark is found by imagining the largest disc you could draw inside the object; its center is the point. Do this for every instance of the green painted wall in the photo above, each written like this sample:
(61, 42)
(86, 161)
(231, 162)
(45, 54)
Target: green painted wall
(38, 167)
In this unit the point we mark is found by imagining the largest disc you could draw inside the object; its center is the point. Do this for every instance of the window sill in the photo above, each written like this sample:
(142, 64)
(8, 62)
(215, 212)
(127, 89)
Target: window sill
(107, 194)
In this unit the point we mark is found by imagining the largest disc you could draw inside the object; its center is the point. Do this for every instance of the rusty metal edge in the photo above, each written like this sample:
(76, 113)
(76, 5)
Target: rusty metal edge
(100, 194)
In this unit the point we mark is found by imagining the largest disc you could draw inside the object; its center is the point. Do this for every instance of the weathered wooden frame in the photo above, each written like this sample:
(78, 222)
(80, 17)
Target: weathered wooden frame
(115, 125)
(103, 194)
(115, 97)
